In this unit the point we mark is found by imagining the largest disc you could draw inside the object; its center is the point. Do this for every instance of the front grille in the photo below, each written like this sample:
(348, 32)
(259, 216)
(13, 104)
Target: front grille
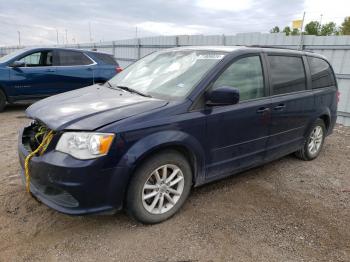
(32, 137)
(34, 134)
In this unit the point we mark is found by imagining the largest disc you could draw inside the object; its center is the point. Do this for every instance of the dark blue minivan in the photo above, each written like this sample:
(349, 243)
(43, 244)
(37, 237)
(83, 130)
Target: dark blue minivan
(41, 72)
(175, 119)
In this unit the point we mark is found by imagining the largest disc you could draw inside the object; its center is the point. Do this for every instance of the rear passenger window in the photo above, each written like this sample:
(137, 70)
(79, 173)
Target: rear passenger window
(321, 73)
(287, 73)
(246, 75)
(71, 58)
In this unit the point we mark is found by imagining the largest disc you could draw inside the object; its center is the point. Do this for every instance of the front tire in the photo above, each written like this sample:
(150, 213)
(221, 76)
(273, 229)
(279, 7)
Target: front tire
(314, 142)
(2, 100)
(159, 187)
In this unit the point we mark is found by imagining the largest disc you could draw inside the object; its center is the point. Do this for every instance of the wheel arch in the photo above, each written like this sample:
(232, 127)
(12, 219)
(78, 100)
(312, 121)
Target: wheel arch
(324, 114)
(3, 90)
(156, 143)
(181, 149)
(4, 99)
(327, 120)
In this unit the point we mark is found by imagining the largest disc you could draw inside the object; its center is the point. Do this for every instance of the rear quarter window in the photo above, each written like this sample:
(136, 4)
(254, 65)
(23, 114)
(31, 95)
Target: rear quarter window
(321, 73)
(106, 58)
(287, 74)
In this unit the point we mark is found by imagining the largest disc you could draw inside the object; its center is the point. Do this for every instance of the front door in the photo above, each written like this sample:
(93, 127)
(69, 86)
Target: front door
(36, 78)
(237, 134)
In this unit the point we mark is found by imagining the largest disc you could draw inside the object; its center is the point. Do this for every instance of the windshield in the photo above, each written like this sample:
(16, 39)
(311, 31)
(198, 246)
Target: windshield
(10, 55)
(168, 74)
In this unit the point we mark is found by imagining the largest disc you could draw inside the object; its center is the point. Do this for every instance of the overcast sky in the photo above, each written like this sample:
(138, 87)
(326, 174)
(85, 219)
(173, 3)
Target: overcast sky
(39, 20)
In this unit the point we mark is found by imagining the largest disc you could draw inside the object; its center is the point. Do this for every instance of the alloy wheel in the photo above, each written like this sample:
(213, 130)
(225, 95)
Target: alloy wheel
(315, 140)
(163, 189)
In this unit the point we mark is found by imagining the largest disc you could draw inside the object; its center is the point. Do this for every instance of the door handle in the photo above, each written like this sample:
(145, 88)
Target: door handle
(262, 110)
(50, 70)
(280, 107)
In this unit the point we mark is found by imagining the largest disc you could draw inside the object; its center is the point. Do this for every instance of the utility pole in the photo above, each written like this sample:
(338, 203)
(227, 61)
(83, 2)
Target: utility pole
(301, 33)
(57, 36)
(66, 36)
(90, 32)
(320, 25)
(19, 38)
(136, 32)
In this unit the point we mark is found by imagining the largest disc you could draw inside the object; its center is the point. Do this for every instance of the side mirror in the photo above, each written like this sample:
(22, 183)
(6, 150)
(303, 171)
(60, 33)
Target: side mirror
(223, 95)
(18, 64)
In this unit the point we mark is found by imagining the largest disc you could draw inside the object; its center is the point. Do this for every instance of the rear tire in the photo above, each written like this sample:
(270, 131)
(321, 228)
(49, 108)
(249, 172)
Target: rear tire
(2, 100)
(314, 142)
(159, 187)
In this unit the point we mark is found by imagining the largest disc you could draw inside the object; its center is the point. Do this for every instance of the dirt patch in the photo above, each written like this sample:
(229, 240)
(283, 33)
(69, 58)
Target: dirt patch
(287, 210)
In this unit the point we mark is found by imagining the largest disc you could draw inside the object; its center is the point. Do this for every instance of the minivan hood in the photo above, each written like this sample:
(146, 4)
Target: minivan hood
(90, 108)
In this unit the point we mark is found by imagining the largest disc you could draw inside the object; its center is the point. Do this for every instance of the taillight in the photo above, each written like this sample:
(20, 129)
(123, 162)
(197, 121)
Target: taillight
(338, 96)
(118, 69)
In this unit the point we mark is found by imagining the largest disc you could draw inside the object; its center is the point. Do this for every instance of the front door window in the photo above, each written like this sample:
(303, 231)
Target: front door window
(246, 75)
(43, 58)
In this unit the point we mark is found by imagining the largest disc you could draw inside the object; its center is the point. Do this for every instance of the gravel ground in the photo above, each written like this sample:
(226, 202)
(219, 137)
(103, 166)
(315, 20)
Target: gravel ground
(287, 210)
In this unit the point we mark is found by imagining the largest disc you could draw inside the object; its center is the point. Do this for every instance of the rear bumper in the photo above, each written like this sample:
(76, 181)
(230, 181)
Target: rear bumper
(73, 186)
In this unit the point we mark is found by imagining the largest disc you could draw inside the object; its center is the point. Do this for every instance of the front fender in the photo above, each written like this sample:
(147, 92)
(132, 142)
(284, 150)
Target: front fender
(4, 80)
(162, 140)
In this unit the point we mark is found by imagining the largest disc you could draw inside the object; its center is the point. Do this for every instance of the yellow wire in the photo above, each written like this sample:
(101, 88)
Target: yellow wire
(41, 149)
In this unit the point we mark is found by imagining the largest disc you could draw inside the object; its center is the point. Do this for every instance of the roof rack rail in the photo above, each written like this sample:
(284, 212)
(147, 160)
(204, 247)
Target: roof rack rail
(273, 46)
(279, 47)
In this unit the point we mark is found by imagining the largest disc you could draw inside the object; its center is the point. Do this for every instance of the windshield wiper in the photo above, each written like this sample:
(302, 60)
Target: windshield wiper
(128, 89)
(110, 85)
(132, 91)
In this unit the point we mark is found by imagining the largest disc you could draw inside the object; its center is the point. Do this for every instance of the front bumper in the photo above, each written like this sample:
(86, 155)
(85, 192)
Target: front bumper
(73, 186)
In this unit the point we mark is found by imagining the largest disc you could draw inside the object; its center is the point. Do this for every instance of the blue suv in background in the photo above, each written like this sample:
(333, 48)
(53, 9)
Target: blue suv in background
(40, 72)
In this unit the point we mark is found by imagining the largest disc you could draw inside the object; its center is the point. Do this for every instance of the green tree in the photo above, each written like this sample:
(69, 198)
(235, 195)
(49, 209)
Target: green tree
(329, 29)
(276, 29)
(313, 28)
(287, 30)
(345, 26)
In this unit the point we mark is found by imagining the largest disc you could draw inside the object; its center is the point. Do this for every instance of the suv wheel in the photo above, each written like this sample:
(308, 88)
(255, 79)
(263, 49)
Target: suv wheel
(314, 142)
(2, 100)
(159, 187)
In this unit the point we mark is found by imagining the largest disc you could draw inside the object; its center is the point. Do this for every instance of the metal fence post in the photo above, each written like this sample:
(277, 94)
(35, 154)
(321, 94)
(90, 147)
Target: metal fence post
(138, 48)
(113, 48)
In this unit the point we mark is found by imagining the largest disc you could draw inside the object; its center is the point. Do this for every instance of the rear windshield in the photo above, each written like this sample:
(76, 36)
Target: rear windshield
(106, 58)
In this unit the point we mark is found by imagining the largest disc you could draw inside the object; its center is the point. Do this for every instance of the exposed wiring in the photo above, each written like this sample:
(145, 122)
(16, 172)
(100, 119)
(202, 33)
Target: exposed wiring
(40, 149)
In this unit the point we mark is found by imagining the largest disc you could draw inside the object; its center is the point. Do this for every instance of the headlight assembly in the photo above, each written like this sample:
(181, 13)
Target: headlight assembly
(85, 145)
